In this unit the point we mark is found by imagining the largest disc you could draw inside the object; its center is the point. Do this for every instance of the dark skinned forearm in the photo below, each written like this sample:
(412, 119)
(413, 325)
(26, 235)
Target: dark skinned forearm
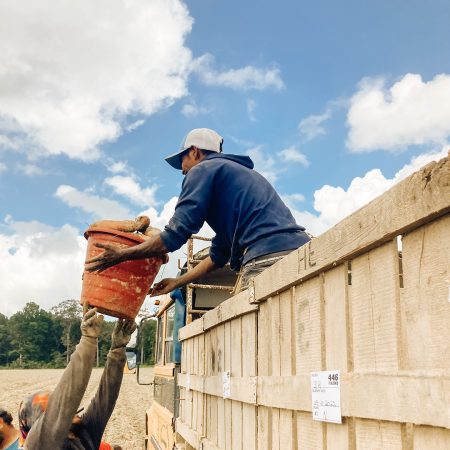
(201, 269)
(152, 247)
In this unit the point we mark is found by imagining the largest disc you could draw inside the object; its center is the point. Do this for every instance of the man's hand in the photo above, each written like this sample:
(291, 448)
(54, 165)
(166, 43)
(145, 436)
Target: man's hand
(164, 286)
(110, 257)
(91, 325)
(122, 333)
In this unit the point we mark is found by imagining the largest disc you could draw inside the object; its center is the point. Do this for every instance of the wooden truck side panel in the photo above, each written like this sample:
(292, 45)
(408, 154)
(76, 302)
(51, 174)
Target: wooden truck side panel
(370, 297)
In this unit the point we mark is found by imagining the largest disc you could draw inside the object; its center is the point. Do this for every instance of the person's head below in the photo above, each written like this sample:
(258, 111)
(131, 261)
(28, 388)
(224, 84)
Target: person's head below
(195, 147)
(8, 433)
(33, 406)
(30, 409)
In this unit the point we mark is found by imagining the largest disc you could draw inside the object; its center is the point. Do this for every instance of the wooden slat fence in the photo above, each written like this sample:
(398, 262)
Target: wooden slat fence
(370, 297)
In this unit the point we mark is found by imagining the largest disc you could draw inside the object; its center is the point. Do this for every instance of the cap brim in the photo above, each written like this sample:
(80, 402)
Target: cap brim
(174, 160)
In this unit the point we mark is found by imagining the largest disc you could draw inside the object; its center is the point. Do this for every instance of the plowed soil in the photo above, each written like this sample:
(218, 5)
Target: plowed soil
(126, 426)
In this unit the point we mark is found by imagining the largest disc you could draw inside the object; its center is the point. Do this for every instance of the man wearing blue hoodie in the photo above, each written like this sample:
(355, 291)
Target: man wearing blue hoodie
(253, 227)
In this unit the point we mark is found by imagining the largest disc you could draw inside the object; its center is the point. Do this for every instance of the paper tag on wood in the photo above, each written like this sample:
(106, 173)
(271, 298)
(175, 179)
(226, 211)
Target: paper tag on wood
(226, 383)
(326, 396)
(188, 382)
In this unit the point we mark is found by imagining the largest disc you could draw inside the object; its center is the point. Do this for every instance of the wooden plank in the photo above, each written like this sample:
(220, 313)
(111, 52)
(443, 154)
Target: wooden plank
(236, 348)
(243, 389)
(188, 395)
(336, 328)
(337, 436)
(377, 434)
(187, 433)
(249, 427)
(227, 403)
(228, 425)
(195, 360)
(264, 339)
(235, 306)
(425, 301)
(308, 338)
(212, 351)
(249, 369)
(190, 330)
(286, 430)
(275, 433)
(336, 342)
(274, 346)
(220, 348)
(221, 422)
(287, 334)
(264, 428)
(426, 438)
(213, 419)
(249, 357)
(236, 426)
(209, 445)
(401, 397)
(220, 332)
(374, 297)
(201, 354)
(200, 414)
(420, 198)
(310, 434)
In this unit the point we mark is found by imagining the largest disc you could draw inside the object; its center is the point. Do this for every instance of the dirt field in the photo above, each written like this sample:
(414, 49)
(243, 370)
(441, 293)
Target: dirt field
(127, 424)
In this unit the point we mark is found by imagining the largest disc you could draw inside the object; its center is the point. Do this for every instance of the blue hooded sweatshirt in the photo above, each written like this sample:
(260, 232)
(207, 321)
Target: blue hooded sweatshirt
(240, 205)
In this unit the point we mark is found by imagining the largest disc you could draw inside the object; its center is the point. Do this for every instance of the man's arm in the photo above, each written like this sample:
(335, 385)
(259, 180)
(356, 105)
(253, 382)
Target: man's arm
(169, 284)
(102, 405)
(52, 428)
(114, 255)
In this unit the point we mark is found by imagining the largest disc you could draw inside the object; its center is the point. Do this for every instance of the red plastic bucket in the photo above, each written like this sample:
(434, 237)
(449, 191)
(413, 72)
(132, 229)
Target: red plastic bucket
(120, 290)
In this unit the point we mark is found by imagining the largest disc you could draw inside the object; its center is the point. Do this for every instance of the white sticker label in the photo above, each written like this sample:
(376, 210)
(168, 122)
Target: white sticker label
(326, 396)
(188, 381)
(226, 382)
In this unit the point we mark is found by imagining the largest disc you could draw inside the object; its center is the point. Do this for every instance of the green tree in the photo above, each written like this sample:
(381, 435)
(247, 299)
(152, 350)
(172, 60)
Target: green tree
(104, 341)
(35, 334)
(69, 314)
(5, 340)
(147, 338)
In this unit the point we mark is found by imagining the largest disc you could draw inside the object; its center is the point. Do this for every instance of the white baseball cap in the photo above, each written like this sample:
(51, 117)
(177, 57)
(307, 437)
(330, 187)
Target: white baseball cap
(202, 138)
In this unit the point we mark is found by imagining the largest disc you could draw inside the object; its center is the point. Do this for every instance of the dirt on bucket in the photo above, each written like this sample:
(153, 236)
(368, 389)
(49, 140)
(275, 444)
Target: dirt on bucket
(120, 290)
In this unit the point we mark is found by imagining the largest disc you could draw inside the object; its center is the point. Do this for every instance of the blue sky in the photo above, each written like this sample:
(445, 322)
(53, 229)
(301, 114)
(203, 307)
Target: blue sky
(334, 101)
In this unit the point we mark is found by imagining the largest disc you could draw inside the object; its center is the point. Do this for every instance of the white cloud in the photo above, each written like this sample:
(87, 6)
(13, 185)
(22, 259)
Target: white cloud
(264, 163)
(334, 203)
(118, 167)
(2, 167)
(92, 204)
(410, 112)
(39, 263)
(251, 106)
(130, 188)
(30, 170)
(193, 110)
(136, 124)
(293, 198)
(312, 126)
(291, 154)
(44, 264)
(70, 72)
(246, 78)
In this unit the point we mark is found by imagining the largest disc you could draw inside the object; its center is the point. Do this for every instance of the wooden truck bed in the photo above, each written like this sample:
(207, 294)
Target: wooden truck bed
(370, 298)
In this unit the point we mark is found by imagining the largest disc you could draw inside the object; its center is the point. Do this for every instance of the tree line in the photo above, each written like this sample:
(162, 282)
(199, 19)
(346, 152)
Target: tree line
(36, 338)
